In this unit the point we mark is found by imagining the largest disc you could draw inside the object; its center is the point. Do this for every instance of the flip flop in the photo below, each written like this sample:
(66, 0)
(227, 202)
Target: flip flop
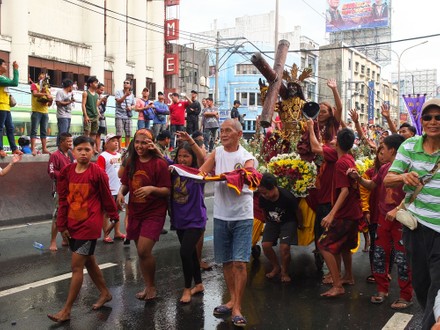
(378, 298)
(371, 279)
(403, 302)
(222, 310)
(239, 321)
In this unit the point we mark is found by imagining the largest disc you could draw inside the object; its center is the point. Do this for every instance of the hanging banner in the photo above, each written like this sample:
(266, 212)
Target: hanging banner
(370, 108)
(171, 29)
(414, 107)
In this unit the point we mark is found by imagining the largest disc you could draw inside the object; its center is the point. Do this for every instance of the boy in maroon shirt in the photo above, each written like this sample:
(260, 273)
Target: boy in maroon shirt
(341, 223)
(389, 232)
(84, 194)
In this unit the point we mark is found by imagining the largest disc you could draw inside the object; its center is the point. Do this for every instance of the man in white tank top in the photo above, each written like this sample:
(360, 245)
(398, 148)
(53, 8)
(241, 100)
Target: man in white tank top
(233, 217)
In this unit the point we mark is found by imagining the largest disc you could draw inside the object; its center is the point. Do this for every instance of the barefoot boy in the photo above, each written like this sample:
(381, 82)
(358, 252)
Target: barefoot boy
(282, 219)
(84, 193)
(341, 223)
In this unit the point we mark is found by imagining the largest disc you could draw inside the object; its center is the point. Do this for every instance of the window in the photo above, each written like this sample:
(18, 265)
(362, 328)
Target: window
(244, 99)
(362, 89)
(246, 69)
(349, 64)
(248, 99)
(368, 72)
(362, 69)
(362, 108)
(356, 66)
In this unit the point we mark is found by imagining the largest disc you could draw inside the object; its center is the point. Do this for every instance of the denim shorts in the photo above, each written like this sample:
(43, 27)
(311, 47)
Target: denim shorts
(232, 240)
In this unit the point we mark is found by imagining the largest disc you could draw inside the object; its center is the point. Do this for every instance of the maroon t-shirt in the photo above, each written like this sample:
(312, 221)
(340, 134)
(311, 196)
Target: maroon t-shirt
(177, 112)
(152, 173)
(374, 198)
(389, 198)
(351, 207)
(83, 198)
(325, 176)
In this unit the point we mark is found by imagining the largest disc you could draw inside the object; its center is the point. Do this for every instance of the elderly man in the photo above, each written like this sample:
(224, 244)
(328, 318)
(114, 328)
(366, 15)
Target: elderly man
(416, 166)
(233, 216)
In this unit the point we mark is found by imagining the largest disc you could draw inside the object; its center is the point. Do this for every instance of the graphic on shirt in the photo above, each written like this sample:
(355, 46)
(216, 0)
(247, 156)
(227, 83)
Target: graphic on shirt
(238, 166)
(77, 199)
(276, 215)
(140, 179)
(180, 191)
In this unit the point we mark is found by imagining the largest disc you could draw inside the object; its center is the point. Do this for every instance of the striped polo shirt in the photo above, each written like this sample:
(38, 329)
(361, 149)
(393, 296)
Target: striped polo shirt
(412, 158)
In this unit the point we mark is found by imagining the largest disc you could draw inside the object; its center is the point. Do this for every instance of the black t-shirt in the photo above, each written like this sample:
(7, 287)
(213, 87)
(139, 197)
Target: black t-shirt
(283, 209)
(195, 105)
(235, 114)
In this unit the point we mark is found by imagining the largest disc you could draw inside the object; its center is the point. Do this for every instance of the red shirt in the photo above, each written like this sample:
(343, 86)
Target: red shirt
(177, 112)
(83, 199)
(152, 173)
(389, 198)
(325, 176)
(351, 207)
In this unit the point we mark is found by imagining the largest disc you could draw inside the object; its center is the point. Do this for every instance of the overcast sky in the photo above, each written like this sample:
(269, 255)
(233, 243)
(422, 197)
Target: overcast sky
(409, 19)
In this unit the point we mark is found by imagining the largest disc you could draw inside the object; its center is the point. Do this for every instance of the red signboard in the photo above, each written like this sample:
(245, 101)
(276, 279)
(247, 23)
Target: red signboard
(171, 65)
(171, 29)
(170, 3)
(167, 93)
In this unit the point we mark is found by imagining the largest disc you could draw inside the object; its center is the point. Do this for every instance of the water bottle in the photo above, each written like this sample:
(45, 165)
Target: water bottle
(38, 246)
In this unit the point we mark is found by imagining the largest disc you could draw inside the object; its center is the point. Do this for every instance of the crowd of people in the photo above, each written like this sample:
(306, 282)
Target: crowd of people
(87, 196)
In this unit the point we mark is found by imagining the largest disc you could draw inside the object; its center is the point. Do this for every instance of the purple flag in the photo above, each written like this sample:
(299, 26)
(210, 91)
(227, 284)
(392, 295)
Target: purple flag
(414, 107)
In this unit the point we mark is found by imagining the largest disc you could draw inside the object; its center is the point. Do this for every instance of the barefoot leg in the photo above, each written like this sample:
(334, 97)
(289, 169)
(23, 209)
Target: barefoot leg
(98, 278)
(198, 288)
(270, 254)
(186, 296)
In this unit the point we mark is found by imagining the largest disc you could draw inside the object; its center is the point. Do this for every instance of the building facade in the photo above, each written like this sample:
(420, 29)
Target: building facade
(359, 81)
(111, 39)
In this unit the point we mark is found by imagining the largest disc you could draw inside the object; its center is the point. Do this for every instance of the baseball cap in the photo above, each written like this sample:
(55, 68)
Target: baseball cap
(430, 104)
(237, 102)
(194, 92)
(110, 136)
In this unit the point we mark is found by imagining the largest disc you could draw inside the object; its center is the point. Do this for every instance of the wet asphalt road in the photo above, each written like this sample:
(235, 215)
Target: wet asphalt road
(268, 304)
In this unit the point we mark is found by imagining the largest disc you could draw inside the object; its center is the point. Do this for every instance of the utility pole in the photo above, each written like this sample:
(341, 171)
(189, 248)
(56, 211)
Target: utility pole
(277, 13)
(217, 46)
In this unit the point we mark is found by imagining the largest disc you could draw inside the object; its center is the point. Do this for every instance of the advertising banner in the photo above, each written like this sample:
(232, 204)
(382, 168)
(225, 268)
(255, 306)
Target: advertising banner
(344, 15)
(170, 3)
(414, 107)
(370, 108)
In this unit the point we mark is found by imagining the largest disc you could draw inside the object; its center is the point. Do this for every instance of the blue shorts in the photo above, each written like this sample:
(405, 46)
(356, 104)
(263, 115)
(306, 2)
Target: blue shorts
(232, 240)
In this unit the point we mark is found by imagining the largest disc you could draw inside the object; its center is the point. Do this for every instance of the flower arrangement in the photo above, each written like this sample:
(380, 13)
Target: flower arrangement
(363, 164)
(293, 173)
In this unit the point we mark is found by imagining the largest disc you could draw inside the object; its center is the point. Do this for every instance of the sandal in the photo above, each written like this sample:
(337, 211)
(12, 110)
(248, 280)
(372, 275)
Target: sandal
(239, 321)
(222, 310)
(400, 304)
(379, 298)
(371, 279)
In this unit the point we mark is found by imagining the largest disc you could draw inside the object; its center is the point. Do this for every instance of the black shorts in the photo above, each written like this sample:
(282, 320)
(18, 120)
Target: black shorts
(285, 231)
(82, 247)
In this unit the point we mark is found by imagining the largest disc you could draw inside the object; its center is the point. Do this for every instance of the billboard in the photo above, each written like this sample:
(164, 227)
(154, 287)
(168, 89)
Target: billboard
(342, 15)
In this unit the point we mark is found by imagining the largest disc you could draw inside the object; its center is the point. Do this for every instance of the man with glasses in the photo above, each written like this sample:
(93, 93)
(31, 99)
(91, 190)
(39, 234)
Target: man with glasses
(125, 103)
(419, 157)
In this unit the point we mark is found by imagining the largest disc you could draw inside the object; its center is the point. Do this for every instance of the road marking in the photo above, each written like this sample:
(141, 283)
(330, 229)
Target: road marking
(398, 321)
(47, 281)
(25, 225)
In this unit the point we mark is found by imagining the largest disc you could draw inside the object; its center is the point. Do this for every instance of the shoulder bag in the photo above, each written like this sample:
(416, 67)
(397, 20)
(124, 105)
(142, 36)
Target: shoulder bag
(403, 215)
